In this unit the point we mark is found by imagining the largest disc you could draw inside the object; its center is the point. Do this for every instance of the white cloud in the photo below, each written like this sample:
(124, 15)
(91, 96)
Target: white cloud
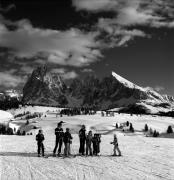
(133, 12)
(72, 47)
(9, 80)
(64, 73)
(26, 69)
(58, 70)
(128, 13)
(86, 70)
(94, 5)
(70, 75)
(75, 47)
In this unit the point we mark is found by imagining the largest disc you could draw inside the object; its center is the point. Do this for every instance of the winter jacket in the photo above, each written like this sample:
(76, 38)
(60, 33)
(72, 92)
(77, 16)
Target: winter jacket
(96, 140)
(59, 133)
(67, 137)
(89, 139)
(115, 142)
(82, 134)
(40, 138)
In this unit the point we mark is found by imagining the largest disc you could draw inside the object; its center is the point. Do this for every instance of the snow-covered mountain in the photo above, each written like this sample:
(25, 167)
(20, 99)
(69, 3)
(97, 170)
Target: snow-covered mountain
(169, 98)
(114, 91)
(151, 100)
(151, 95)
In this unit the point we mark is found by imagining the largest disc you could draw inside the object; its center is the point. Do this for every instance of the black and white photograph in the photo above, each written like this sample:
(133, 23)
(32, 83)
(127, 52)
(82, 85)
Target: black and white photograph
(86, 89)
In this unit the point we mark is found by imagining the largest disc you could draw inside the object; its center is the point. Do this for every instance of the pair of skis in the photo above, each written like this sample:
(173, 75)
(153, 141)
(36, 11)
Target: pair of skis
(73, 156)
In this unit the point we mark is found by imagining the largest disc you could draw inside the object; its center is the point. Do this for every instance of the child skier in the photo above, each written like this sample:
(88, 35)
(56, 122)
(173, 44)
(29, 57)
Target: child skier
(88, 143)
(115, 143)
(40, 138)
(96, 144)
(67, 141)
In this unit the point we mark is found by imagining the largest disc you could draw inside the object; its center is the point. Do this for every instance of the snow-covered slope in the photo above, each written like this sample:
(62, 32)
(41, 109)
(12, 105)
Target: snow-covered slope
(125, 82)
(5, 116)
(169, 98)
(143, 157)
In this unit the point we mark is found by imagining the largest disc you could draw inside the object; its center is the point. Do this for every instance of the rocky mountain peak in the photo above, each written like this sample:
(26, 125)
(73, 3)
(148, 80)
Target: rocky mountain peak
(110, 92)
(43, 86)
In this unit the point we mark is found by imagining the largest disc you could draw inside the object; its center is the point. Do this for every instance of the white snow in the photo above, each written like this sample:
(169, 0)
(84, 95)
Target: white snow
(32, 109)
(143, 157)
(5, 116)
(125, 82)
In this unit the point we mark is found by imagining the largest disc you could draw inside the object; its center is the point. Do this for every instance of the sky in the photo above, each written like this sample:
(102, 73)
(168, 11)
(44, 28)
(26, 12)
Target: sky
(75, 38)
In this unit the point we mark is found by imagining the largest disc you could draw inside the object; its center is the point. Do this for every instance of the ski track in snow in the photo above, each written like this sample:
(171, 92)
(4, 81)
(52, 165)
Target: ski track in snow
(143, 158)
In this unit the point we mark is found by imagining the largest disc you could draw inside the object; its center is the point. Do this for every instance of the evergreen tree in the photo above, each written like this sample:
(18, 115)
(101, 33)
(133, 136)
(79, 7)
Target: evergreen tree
(127, 123)
(154, 133)
(131, 128)
(146, 128)
(150, 131)
(116, 126)
(169, 129)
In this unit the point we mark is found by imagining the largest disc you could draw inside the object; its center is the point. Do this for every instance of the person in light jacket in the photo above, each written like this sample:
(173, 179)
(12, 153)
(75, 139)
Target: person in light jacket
(116, 148)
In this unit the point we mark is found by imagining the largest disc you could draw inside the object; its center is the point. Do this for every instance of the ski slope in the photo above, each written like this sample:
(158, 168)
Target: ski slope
(143, 157)
(5, 116)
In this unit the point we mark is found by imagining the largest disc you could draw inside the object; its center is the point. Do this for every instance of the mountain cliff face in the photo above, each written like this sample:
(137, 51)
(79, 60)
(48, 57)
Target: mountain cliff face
(110, 92)
(43, 88)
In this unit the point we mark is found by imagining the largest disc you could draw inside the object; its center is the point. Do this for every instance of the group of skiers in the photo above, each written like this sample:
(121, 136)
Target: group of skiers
(88, 140)
(89, 144)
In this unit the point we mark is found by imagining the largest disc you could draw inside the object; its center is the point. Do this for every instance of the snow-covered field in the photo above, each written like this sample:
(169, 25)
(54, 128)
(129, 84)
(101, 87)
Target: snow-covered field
(143, 157)
(32, 109)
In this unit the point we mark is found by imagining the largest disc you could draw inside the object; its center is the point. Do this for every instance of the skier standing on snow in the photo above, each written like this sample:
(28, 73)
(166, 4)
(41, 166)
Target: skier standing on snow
(96, 144)
(89, 143)
(59, 138)
(82, 137)
(40, 138)
(67, 141)
(115, 143)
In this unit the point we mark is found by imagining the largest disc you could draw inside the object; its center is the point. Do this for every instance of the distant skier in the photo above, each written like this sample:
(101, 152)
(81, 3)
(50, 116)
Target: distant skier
(82, 137)
(115, 143)
(89, 143)
(96, 144)
(40, 138)
(67, 141)
(59, 138)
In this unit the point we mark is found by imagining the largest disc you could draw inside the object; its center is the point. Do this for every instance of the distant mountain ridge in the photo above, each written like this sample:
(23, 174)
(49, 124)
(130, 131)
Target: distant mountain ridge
(111, 92)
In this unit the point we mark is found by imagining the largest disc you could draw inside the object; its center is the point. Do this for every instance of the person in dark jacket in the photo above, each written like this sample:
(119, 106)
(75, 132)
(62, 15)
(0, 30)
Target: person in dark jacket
(82, 137)
(96, 144)
(67, 141)
(59, 138)
(89, 143)
(40, 138)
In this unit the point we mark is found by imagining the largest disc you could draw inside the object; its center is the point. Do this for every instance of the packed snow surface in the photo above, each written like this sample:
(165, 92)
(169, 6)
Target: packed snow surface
(143, 157)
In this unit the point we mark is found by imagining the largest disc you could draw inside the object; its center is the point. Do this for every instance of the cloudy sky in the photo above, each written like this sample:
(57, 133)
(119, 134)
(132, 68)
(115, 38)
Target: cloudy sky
(134, 38)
